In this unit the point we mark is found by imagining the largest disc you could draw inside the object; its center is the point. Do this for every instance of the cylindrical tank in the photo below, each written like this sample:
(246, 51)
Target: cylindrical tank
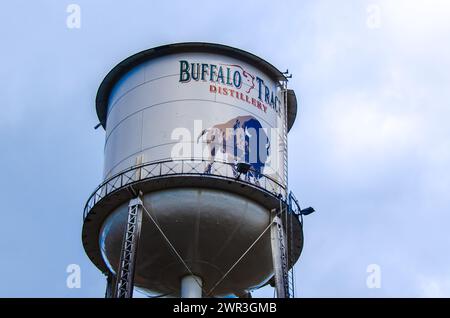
(200, 130)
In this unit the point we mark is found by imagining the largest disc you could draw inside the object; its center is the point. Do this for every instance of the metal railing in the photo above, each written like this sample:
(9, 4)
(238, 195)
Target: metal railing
(180, 167)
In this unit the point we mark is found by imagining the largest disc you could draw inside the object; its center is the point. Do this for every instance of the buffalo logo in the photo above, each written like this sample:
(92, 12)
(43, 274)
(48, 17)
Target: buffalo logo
(248, 78)
(241, 139)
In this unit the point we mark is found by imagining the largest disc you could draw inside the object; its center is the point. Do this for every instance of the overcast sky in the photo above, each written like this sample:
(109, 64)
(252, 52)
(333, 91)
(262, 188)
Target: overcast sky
(370, 150)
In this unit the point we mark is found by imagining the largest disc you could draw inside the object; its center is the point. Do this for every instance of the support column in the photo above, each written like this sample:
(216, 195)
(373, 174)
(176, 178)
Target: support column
(110, 285)
(279, 258)
(191, 287)
(125, 274)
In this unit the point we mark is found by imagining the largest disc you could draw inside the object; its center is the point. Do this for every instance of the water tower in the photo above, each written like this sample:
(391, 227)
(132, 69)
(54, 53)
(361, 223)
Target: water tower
(195, 199)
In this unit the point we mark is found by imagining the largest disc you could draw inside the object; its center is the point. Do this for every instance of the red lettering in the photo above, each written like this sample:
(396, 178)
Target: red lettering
(259, 105)
(241, 96)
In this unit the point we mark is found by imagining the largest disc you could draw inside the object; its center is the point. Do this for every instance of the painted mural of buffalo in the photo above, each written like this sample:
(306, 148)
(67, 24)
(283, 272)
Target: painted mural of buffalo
(241, 139)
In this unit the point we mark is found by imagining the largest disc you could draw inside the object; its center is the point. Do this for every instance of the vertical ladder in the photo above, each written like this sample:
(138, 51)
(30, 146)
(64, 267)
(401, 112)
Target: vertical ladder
(125, 274)
(285, 135)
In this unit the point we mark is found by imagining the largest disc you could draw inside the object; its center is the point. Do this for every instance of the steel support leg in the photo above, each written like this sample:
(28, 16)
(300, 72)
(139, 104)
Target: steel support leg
(110, 284)
(280, 265)
(125, 274)
(191, 287)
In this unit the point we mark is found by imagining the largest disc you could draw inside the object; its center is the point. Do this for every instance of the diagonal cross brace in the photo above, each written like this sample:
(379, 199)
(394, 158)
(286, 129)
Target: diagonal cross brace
(125, 274)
